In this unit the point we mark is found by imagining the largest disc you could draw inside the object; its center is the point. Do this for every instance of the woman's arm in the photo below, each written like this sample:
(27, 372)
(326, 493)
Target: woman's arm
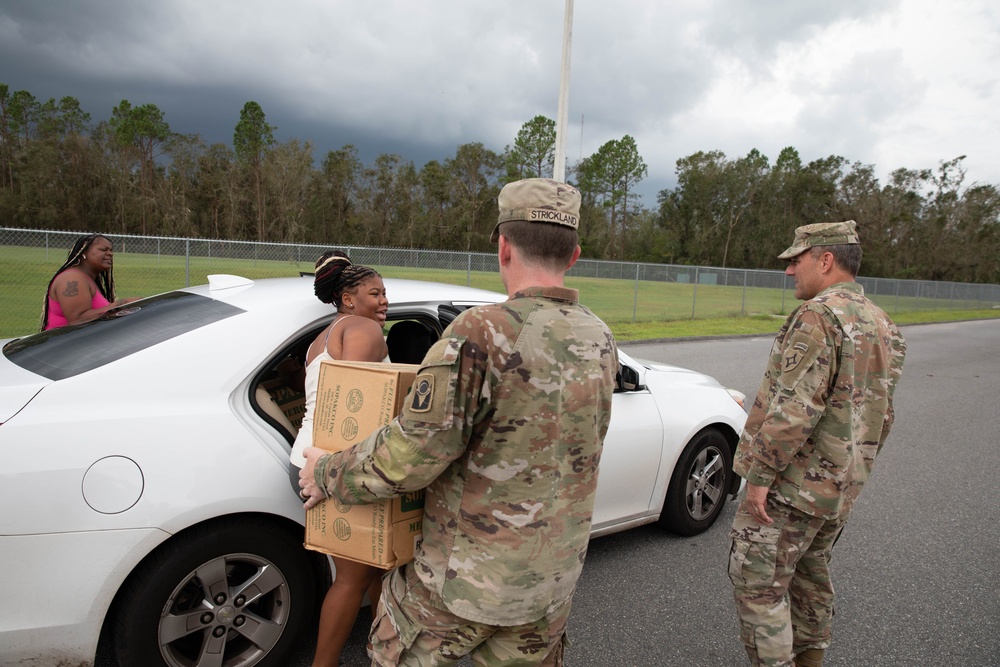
(75, 294)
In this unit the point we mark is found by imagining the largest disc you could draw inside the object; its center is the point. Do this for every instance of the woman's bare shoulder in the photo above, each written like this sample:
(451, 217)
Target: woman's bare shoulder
(72, 271)
(359, 324)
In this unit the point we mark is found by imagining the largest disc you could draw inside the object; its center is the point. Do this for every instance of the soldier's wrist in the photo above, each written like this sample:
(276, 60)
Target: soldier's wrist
(321, 473)
(760, 475)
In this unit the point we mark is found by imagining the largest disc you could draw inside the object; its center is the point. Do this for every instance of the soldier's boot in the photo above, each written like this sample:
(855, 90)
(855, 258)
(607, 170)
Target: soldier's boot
(811, 657)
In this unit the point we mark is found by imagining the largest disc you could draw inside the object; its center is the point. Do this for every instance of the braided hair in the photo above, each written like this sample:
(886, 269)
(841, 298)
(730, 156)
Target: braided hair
(105, 280)
(335, 274)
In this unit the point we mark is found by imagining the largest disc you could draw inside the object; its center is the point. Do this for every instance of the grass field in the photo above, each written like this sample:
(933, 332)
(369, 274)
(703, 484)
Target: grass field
(635, 310)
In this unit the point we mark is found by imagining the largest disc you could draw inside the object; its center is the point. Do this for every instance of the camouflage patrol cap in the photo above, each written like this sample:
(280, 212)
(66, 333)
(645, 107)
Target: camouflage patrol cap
(822, 233)
(538, 200)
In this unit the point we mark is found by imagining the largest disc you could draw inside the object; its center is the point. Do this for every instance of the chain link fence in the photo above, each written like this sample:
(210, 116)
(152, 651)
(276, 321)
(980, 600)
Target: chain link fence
(616, 291)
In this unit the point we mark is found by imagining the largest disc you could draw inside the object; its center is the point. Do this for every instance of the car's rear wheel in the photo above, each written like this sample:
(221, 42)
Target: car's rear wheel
(699, 484)
(233, 594)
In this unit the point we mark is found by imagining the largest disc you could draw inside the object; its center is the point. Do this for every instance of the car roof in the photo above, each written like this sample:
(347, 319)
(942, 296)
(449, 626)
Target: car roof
(253, 294)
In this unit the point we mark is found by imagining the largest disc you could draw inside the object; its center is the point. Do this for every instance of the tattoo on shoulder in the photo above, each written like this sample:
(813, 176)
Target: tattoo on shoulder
(72, 288)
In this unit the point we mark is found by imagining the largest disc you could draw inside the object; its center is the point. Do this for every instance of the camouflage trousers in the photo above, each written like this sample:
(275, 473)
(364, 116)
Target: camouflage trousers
(413, 628)
(781, 582)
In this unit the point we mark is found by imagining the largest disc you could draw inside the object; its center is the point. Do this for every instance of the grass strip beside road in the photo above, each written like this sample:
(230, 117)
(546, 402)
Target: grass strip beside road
(721, 327)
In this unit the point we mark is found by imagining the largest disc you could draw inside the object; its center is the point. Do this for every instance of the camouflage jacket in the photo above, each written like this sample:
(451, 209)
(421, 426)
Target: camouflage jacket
(504, 428)
(824, 408)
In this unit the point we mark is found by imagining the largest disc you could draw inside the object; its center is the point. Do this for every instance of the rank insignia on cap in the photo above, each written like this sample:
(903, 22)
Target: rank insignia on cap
(423, 389)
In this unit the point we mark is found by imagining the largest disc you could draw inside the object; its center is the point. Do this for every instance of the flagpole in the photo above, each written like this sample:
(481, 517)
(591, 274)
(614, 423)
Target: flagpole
(559, 168)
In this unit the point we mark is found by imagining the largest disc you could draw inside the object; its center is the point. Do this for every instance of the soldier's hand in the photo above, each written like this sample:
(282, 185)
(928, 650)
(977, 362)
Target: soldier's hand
(757, 502)
(311, 494)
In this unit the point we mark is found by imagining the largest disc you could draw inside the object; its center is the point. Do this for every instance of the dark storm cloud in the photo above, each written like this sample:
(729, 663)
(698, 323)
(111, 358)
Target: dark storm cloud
(102, 53)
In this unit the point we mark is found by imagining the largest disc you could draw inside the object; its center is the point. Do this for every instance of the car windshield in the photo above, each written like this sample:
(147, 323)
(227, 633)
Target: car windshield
(67, 351)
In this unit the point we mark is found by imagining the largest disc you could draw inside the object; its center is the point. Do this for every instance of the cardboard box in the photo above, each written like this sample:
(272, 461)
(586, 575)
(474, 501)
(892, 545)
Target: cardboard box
(352, 401)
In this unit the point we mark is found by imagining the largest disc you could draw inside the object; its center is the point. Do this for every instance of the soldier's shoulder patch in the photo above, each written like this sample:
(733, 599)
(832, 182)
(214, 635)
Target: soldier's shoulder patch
(791, 358)
(422, 395)
(803, 347)
(430, 403)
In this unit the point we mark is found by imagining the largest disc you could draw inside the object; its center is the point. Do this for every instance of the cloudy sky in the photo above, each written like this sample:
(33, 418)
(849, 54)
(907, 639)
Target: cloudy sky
(893, 83)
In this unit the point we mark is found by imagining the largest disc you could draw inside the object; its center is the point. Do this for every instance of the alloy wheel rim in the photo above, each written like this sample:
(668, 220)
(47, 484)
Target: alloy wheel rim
(228, 612)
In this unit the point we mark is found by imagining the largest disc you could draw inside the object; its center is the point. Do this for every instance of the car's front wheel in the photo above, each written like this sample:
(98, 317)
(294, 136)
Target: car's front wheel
(236, 593)
(699, 484)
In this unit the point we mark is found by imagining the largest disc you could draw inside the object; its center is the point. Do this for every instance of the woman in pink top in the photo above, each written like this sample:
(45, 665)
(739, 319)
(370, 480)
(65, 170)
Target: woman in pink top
(358, 294)
(83, 288)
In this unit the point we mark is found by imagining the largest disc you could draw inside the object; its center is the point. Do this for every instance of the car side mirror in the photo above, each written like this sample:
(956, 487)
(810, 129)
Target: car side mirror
(627, 379)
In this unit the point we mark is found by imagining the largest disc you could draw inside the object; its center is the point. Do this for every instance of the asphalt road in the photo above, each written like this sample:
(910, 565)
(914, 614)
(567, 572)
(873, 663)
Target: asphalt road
(917, 570)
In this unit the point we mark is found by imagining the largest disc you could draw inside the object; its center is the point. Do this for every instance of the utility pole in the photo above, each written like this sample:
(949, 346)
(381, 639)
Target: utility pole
(559, 168)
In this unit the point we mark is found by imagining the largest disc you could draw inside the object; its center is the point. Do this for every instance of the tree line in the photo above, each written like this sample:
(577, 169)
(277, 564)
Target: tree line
(131, 174)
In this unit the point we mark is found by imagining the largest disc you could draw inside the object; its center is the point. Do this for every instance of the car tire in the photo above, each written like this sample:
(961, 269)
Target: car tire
(699, 484)
(242, 586)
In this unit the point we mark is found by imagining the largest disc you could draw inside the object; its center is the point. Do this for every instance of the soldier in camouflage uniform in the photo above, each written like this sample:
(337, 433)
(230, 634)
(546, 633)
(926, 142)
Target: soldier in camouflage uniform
(822, 415)
(504, 428)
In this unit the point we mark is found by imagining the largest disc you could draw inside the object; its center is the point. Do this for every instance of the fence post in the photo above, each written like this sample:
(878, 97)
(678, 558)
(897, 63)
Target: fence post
(694, 294)
(468, 270)
(635, 293)
(187, 262)
(743, 307)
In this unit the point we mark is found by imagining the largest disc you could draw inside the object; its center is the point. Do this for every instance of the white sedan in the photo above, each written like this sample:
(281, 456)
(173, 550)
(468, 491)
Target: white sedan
(145, 501)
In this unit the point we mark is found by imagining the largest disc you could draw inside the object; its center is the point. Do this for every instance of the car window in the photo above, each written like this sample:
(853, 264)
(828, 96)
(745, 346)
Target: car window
(409, 340)
(68, 351)
(278, 392)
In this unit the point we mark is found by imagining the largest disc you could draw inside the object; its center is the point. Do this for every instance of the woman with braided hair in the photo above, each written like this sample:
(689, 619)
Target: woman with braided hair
(358, 294)
(83, 288)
